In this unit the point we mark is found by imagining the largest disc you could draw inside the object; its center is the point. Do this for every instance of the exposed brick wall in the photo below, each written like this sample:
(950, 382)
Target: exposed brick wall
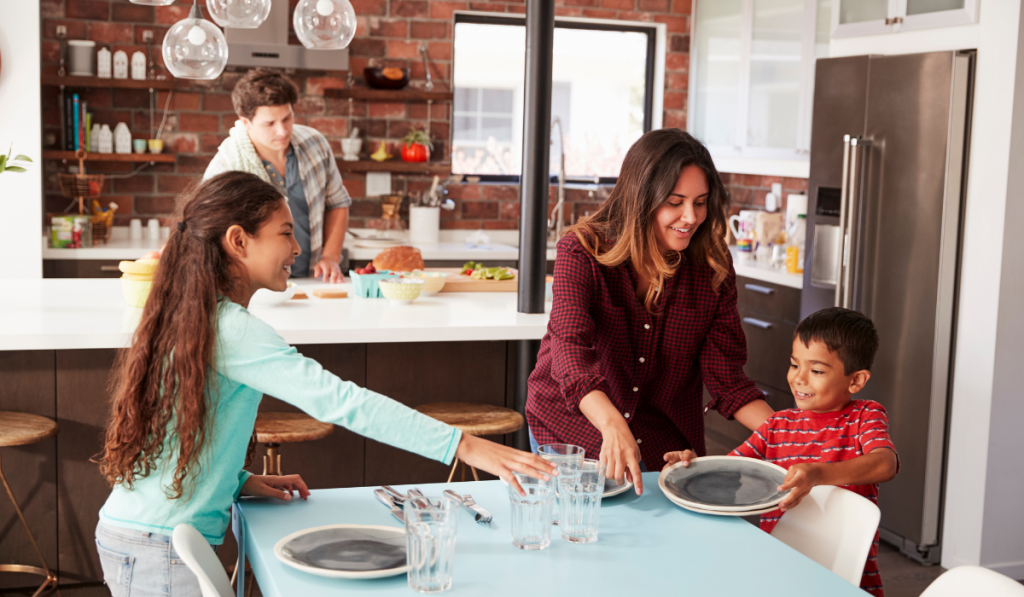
(390, 32)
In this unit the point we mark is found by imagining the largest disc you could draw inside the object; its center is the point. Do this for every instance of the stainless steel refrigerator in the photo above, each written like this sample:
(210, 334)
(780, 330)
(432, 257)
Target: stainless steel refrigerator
(886, 195)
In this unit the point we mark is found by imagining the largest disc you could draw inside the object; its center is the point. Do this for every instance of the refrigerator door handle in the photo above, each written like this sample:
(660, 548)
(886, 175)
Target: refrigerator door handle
(843, 195)
(849, 246)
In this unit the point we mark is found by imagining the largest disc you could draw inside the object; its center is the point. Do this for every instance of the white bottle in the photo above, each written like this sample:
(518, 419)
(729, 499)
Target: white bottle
(122, 138)
(103, 63)
(106, 140)
(139, 66)
(94, 138)
(120, 65)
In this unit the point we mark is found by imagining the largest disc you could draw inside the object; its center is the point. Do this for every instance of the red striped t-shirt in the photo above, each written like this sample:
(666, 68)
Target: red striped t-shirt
(792, 436)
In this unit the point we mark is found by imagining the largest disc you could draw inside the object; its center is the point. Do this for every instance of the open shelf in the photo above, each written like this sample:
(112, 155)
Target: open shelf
(428, 168)
(98, 82)
(111, 157)
(389, 95)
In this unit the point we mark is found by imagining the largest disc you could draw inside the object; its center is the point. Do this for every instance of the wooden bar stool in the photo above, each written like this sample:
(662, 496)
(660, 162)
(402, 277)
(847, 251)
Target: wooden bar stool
(474, 419)
(22, 429)
(274, 429)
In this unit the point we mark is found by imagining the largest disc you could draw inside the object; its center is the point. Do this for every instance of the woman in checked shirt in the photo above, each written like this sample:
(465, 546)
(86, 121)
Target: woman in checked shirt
(644, 314)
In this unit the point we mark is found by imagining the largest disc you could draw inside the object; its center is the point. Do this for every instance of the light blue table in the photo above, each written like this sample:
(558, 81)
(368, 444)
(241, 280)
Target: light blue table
(646, 546)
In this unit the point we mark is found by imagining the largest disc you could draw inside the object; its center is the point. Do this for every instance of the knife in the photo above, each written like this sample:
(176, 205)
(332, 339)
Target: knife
(394, 493)
(482, 516)
(385, 499)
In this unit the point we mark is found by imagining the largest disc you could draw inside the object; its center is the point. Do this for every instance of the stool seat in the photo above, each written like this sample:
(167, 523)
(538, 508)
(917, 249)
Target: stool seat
(475, 419)
(286, 428)
(21, 429)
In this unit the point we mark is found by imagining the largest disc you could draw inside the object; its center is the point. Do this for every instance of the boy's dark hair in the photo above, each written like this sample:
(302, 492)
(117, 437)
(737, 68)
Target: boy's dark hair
(262, 87)
(847, 333)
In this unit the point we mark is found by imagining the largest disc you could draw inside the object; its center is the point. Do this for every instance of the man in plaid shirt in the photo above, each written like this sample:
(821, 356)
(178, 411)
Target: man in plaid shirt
(296, 159)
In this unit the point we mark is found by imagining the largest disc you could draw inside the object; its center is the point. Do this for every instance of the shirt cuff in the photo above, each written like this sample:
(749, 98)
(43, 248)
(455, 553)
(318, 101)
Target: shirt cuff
(242, 478)
(577, 389)
(728, 405)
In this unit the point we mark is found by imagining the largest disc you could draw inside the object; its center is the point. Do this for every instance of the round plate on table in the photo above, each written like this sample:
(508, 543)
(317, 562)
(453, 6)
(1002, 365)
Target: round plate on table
(377, 243)
(724, 484)
(611, 488)
(346, 551)
(719, 512)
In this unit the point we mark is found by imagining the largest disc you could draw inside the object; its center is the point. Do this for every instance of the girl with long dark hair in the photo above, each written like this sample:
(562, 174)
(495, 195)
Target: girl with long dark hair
(187, 391)
(643, 316)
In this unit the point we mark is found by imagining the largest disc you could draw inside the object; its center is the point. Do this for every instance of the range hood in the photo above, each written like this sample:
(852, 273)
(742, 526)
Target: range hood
(267, 45)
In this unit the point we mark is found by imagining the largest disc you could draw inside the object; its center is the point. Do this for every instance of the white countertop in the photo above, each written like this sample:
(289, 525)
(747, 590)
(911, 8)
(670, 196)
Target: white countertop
(749, 267)
(60, 314)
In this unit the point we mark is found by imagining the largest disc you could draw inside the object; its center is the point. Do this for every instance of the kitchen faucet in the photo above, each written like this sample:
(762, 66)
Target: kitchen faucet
(556, 221)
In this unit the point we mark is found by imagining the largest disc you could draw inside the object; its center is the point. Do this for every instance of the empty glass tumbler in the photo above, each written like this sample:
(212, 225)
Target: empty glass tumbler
(431, 524)
(580, 486)
(558, 454)
(531, 514)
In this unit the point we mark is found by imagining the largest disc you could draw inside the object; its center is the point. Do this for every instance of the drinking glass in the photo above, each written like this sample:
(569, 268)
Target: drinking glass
(559, 453)
(580, 486)
(531, 515)
(431, 524)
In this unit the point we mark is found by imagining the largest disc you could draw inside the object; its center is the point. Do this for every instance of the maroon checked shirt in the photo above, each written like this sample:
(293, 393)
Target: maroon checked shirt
(652, 367)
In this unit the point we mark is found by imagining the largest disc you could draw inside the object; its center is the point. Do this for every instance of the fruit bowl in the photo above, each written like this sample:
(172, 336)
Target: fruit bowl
(401, 291)
(376, 78)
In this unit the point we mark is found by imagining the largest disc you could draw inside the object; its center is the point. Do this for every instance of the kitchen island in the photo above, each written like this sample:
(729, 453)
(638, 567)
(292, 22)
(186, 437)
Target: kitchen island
(58, 341)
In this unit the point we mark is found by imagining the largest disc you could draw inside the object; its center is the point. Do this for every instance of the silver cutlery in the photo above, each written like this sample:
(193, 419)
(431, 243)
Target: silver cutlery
(394, 493)
(479, 514)
(385, 499)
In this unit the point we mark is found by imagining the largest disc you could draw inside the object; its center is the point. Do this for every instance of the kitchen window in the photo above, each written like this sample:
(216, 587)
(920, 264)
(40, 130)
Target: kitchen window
(752, 81)
(603, 95)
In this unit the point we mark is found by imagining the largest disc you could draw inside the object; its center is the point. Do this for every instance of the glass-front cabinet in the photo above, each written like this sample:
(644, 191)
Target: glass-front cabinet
(855, 18)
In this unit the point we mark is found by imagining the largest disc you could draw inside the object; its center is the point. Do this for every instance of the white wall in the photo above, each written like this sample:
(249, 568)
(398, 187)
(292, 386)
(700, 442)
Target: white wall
(982, 523)
(21, 194)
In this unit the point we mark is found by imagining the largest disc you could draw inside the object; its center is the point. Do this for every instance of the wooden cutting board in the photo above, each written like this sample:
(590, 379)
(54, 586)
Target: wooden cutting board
(456, 282)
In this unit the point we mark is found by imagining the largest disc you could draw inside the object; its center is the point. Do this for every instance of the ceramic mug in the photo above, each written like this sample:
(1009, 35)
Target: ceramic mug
(156, 145)
(743, 224)
(139, 145)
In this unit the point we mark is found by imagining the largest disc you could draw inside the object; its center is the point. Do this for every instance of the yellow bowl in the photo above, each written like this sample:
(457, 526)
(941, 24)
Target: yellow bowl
(136, 291)
(401, 290)
(433, 282)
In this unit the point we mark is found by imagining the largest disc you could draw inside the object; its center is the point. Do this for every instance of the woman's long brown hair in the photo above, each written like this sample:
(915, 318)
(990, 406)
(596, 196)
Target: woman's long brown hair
(624, 226)
(159, 383)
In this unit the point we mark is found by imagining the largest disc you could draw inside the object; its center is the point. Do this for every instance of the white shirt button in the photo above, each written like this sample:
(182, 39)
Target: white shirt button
(639, 441)
(626, 415)
(636, 389)
(641, 359)
(647, 326)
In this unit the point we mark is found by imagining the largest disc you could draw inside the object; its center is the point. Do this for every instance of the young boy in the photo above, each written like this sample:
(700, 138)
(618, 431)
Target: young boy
(829, 438)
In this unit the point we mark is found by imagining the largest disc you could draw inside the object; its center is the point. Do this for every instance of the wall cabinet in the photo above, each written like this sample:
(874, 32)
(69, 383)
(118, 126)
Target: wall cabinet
(856, 18)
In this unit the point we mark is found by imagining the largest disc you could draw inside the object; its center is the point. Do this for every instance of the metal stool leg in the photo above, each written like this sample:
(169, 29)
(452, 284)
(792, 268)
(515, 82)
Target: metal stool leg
(272, 460)
(51, 578)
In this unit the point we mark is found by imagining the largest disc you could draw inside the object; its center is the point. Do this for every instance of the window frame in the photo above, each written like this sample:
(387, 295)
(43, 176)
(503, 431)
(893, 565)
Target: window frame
(654, 84)
(760, 160)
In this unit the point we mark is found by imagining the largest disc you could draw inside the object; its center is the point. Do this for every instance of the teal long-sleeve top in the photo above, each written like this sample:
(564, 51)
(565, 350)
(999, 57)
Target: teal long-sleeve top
(251, 359)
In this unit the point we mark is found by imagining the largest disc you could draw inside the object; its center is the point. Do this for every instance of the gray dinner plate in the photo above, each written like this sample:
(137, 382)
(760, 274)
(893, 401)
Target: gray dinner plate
(725, 483)
(346, 551)
(612, 488)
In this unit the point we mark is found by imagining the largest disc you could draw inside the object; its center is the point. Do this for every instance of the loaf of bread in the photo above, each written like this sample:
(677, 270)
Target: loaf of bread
(399, 259)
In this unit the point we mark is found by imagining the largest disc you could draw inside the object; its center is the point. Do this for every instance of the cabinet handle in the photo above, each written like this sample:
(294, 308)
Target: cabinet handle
(759, 289)
(757, 323)
(109, 268)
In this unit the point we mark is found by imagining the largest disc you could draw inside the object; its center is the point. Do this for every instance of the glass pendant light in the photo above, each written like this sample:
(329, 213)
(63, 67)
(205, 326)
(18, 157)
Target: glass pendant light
(195, 48)
(153, 2)
(239, 14)
(324, 24)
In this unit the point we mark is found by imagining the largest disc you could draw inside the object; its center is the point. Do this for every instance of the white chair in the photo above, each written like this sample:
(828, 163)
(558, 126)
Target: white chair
(973, 580)
(202, 561)
(834, 527)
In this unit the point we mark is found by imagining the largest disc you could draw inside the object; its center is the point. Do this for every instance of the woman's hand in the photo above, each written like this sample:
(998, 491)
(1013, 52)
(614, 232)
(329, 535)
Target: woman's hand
(280, 487)
(684, 456)
(619, 450)
(502, 460)
(621, 455)
(800, 479)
